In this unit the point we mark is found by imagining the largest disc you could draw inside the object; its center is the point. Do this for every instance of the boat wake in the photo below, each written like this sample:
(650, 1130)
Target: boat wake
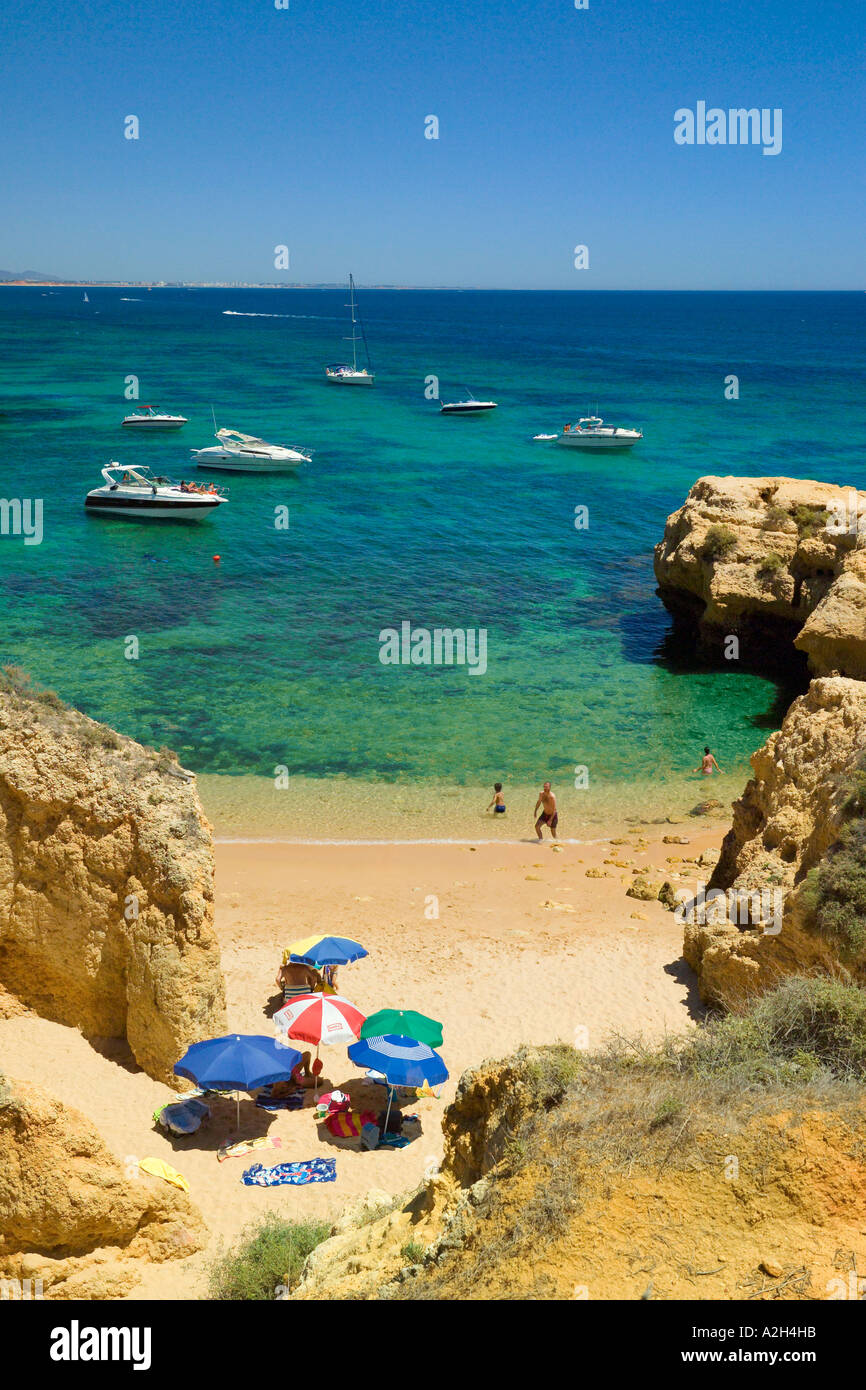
(249, 314)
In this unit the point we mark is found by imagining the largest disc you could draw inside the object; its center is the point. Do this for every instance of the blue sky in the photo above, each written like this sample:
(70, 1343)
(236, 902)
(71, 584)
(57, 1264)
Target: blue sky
(305, 127)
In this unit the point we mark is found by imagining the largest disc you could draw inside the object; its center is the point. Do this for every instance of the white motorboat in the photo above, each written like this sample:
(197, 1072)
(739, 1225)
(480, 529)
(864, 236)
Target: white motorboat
(342, 374)
(591, 432)
(135, 492)
(243, 453)
(468, 407)
(149, 418)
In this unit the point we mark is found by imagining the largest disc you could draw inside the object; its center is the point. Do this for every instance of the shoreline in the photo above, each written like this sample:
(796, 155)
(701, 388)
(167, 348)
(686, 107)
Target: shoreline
(341, 810)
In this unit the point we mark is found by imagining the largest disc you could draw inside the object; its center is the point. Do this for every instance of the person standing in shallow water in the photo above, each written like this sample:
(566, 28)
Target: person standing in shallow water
(498, 802)
(708, 764)
(549, 814)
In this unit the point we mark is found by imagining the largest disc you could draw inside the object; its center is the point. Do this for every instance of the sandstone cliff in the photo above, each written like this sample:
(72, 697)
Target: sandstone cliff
(106, 884)
(583, 1177)
(777, 562)
(69, 1214)
(789, 816)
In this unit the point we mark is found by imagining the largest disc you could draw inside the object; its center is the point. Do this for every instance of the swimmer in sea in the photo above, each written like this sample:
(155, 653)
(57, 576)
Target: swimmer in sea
(708, 764)
(498, 802)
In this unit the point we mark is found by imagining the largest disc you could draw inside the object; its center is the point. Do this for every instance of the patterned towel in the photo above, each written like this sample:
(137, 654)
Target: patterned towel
(293, 1102)
(295, 1174)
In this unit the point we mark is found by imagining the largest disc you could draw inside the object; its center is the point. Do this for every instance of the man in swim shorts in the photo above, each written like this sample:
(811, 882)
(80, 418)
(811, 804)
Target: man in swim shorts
(549, 815)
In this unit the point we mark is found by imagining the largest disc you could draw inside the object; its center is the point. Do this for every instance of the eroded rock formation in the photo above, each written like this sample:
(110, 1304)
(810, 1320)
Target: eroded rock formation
(777, 562)
(584, 1194)
(70, 1215)
(106, 884)
(789, 816)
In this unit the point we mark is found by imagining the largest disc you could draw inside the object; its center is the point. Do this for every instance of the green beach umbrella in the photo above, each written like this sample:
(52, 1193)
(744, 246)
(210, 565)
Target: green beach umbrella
(403, 1023)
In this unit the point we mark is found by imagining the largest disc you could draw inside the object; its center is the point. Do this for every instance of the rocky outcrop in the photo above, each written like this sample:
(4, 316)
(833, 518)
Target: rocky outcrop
(70, 1216)
(778, 563)
(106, 884)
(789, 816)
(584, 1190)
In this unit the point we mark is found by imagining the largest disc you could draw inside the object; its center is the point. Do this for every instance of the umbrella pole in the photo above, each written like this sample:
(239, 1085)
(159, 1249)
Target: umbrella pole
(316, 1076)
(388, 1111)
(237, 1110)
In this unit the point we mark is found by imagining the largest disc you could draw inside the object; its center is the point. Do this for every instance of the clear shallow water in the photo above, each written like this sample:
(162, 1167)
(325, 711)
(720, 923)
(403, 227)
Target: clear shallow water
(271, 657)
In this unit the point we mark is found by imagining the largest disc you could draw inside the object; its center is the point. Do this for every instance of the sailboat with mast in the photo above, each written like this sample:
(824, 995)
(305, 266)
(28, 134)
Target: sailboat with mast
(353, 375)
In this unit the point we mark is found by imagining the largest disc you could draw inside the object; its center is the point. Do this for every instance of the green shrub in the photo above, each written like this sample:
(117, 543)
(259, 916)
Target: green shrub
(776, 517)
(836, 895)
(810, 519)
(267, 1257)
(771, 564)
(718, 542)
(413, 1252)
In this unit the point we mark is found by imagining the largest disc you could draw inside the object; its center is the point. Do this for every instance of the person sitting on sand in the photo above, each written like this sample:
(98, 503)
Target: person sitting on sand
(295, 978)
(708, 763)
(302, 1074)
(498, 802)
(549, 814)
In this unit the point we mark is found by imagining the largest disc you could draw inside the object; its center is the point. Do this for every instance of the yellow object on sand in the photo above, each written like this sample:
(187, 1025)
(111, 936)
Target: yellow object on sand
(160, 1169)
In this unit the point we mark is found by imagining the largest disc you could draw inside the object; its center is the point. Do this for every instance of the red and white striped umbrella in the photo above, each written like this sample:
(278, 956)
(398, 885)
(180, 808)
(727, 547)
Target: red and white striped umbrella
(320, 1018)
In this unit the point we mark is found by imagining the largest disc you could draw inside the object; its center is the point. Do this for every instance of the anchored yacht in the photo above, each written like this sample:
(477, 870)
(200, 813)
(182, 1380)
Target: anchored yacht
(137, 492)
(592, 433)
(343, 374)
(149, 418)
(243, 453)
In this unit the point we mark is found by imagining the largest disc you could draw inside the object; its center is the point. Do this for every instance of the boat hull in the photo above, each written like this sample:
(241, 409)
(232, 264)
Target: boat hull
(146, 508)
(153, 424)
(351, 378)
(598, 443)
(467, 408)
(232, 463)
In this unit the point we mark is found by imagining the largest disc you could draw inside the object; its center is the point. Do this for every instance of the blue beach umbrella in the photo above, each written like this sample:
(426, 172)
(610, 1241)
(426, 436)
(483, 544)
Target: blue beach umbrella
(237, 1063)
(324, 950)
(402, 1061)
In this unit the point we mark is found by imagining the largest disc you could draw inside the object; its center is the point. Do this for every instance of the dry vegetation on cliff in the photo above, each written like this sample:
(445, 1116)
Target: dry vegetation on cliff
(730, 1163)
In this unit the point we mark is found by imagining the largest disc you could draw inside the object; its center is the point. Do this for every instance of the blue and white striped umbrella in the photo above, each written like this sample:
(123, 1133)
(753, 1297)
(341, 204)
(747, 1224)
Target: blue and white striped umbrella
(402, 1061)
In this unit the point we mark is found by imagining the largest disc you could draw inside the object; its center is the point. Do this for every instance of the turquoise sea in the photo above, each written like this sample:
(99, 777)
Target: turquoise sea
(270, 658)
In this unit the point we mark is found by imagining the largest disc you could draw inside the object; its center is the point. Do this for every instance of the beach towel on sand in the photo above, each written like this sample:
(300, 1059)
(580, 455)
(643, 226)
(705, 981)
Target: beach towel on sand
(248, 1146)
(293, 1174)
(295, 1101)
(160, 1169)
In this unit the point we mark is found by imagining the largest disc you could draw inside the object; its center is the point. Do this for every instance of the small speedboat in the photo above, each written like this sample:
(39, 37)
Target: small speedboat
(468, 407)
(149, 418)
(243, 453)
(591, 432)
(137, 492)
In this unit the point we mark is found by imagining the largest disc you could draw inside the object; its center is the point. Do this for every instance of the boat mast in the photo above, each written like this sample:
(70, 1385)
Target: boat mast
(357, 323)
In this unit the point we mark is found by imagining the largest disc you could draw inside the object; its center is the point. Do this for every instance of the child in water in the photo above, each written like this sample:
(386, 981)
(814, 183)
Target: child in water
(498, 802)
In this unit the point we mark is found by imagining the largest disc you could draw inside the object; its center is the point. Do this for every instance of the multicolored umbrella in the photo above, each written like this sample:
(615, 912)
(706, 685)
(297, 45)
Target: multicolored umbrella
(319, 1018)
(403, 1023)
(323, 950)
(402, 1062)
(237, 1063)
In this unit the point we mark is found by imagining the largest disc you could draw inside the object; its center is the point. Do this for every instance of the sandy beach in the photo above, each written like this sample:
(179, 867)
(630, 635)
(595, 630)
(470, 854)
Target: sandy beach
(525, 949)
